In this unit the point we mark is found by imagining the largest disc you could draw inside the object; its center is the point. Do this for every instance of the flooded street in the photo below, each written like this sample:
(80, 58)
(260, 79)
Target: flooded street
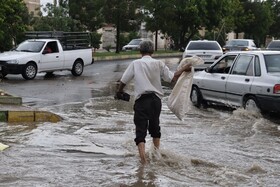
(93, 145)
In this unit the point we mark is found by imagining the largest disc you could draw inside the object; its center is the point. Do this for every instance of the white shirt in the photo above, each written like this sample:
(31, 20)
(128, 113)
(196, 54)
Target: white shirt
(147, 73)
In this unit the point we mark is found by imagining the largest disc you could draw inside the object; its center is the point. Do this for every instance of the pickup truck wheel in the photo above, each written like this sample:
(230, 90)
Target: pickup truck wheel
(251, 104)
(2, 74)
(29, 71)
(78, 68)
(196, 97)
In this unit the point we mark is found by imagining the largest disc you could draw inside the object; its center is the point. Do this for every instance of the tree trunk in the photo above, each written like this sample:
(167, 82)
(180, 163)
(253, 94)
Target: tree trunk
(156, 40)
(118, 37)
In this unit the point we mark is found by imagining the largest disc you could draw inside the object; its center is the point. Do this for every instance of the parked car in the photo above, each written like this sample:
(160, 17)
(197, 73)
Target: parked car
(132, 45)
(240, 79)
(240, 45)
(274, 45)
(208, 50)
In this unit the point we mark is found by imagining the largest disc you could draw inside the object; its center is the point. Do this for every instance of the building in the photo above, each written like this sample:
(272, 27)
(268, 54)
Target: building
(33, 6)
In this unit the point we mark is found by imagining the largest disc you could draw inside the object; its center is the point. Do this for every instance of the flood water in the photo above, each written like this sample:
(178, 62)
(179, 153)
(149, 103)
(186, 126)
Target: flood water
(93, 146)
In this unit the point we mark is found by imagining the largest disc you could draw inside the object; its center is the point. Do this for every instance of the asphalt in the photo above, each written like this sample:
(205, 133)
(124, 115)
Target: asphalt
(12, 110)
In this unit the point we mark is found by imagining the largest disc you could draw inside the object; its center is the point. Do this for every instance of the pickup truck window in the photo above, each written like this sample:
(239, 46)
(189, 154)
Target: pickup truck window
(31, 46)
(51, 47)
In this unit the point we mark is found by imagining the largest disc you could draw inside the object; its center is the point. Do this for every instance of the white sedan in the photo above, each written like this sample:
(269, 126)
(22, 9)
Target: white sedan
(248, 79)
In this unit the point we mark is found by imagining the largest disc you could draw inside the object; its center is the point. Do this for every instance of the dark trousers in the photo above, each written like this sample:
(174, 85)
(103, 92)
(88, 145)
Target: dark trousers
(147, 110)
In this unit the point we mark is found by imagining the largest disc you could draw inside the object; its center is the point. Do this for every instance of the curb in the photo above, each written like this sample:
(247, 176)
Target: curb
(28, 116)
(134, 56)
(12, 111)
(6, 98)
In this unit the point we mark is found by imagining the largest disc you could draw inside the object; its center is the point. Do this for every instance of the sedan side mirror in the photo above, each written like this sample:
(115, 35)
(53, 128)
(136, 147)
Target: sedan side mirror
(208, 69)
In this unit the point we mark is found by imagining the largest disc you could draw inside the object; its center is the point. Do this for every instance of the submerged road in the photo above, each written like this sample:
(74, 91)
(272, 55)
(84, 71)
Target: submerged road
(93, 145)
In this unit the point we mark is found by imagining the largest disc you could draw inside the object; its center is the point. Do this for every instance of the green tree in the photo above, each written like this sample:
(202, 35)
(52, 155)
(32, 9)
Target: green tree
(123, 14)
(275, 8)
(182, 19)
(259, 26)
(57, 19)
(88, 12)
(14, 19)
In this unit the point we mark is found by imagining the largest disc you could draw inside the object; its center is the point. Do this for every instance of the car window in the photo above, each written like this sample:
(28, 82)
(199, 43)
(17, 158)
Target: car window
(272, 63)
(53, 48)
(243, 65)
(31, 46)
(238, 43)
(274, 44)
(203, 46)
(257, 66)
(250, 69)
(134, 42)
(224, 65)
(253, 44)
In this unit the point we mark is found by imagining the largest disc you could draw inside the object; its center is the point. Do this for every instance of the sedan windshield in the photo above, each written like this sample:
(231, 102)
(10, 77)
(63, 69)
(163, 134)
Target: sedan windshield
(134, 42)
(30, 46)
(203, 46)
(238, 43)
(272, 63)
(274, 44)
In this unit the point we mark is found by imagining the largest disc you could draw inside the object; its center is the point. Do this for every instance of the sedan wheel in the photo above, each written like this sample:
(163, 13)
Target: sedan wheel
(251, 104)
(196, 97)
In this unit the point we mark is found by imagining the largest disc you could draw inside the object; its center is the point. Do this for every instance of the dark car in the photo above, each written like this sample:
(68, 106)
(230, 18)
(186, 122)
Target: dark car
(240, 45)
(132, 45)
(274, 45)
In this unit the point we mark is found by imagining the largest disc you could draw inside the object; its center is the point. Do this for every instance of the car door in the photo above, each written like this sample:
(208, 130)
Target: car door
(240, 79)
(214, 82)
(50, 59)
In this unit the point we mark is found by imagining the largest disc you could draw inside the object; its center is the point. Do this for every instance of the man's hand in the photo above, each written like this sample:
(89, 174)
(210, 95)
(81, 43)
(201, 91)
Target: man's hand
(122, 96)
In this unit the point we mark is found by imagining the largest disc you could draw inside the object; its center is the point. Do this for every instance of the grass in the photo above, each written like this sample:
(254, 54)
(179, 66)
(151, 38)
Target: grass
(113, 53)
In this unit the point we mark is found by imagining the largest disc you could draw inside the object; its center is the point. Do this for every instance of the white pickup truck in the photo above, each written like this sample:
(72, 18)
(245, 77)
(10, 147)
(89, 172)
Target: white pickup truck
(44, 55)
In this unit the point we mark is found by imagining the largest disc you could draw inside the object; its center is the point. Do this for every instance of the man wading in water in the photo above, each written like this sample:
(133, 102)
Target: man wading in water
(147, 73)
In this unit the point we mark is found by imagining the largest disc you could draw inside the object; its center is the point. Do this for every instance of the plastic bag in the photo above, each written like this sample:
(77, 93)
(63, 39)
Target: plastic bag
(179, 97)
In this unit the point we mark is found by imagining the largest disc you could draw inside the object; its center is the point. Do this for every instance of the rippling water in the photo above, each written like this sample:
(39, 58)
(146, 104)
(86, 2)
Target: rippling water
(93, 146)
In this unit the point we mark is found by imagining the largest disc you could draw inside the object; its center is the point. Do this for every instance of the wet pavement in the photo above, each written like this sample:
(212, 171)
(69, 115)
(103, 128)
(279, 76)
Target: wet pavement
(93, 145)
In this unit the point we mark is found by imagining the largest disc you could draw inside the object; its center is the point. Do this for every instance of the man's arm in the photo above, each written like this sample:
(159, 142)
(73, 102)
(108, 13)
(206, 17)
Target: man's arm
(121, 86)
(177, 74)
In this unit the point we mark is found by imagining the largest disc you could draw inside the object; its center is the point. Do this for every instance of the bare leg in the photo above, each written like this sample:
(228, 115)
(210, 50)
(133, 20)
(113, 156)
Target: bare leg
(141, 149)
(156, 142)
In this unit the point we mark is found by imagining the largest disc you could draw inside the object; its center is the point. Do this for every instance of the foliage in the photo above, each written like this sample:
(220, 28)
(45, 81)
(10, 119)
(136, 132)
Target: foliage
(95, 40)
(13, 22)
(88, 12)
(261, 14)
(178, 19)
(275, 9)
(57, 19)
(182, 19)
(123, 15)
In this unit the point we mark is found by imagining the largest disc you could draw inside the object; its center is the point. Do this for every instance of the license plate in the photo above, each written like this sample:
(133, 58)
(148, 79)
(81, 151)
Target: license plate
(204, 56)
